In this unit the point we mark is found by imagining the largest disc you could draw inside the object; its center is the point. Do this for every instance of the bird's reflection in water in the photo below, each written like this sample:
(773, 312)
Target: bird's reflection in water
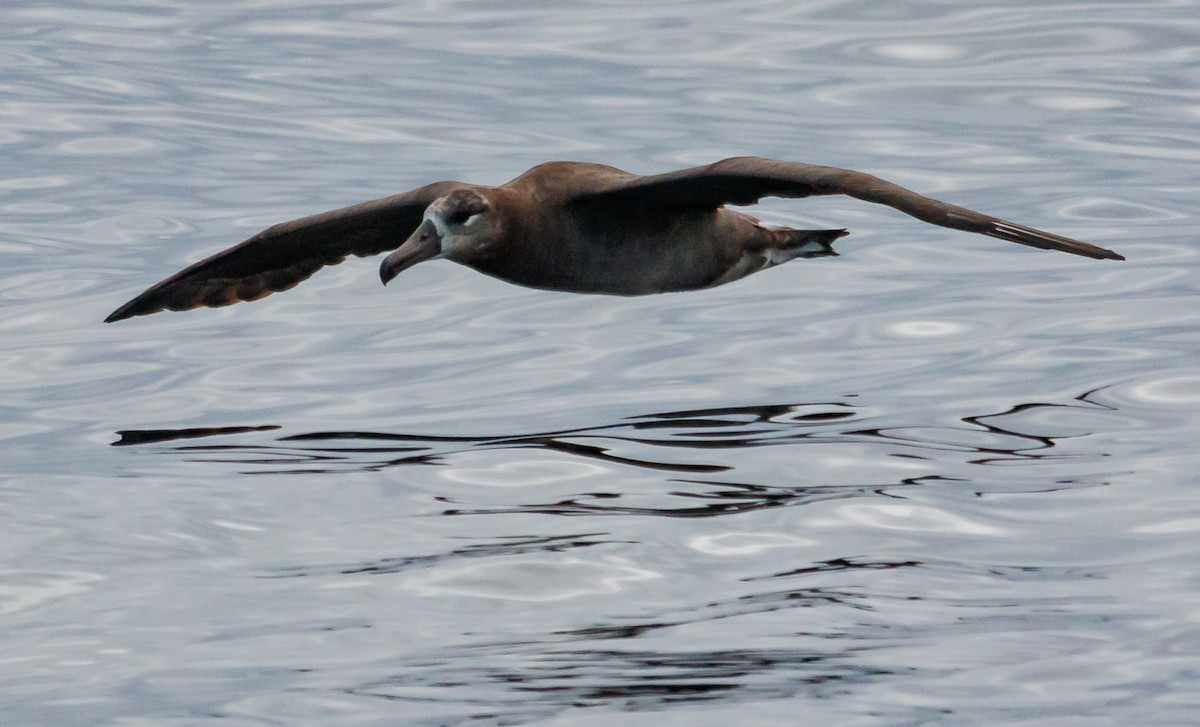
(682, 445)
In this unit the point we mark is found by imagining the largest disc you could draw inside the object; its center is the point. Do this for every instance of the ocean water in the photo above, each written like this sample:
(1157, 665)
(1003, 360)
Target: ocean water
(939, 479)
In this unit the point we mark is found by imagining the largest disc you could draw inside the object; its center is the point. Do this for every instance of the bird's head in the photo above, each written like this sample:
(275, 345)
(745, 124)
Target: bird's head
(462, 226)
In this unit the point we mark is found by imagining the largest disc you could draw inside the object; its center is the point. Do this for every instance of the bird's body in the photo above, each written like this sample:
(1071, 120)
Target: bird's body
(585, 248)
(570, 226)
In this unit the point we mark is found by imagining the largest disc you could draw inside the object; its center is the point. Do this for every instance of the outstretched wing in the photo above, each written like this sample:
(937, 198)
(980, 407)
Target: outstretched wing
(281, 256)
(745, 180)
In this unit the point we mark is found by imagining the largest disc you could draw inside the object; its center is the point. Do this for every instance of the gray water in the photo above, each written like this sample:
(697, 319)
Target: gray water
(940, 479)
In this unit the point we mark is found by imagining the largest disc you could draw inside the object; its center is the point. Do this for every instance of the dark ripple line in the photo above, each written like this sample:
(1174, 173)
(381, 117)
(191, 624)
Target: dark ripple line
(707, 429)
(635, 679)
(509, 545)
(734, 499)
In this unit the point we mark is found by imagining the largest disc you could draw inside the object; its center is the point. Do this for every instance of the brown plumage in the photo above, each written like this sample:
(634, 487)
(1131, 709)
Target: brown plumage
(572, 226)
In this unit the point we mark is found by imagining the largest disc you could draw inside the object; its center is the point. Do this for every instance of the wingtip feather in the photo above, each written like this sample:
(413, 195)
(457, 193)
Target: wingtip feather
(1023, 235)
(129, 310)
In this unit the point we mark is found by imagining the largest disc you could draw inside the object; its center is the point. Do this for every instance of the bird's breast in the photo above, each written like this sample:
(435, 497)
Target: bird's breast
(626, 256)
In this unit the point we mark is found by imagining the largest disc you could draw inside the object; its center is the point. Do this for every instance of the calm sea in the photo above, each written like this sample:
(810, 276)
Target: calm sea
(937, 480)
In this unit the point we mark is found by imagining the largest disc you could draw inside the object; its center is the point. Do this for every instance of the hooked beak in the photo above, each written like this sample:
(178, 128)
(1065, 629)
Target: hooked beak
(424, 244)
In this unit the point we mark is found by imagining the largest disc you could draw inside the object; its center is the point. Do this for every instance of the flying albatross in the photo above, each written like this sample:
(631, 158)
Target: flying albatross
(571, 226)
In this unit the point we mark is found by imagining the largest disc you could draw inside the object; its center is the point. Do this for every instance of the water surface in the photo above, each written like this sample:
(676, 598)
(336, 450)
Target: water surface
(936, 480)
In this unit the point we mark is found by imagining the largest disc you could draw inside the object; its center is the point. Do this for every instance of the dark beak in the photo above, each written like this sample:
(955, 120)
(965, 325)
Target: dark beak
(424, 244)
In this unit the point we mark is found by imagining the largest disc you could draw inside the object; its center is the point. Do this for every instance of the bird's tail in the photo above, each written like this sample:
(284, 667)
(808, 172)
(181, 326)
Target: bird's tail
(804, 243)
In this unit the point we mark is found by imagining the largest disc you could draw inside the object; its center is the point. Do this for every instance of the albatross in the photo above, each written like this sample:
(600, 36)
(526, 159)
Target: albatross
(571, 226)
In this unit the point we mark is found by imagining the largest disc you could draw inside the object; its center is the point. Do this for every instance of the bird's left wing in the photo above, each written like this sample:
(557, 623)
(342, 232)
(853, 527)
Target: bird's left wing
(745, 180)
(281, 256)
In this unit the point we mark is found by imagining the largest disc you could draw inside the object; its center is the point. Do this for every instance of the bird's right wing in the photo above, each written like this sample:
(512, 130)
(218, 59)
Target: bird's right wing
(281, 256)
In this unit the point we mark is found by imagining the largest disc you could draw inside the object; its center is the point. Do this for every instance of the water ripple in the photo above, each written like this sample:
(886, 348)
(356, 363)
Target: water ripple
(933, 476)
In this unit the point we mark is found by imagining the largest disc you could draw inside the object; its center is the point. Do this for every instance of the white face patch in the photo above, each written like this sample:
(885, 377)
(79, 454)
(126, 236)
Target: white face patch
(438, 220)
(452, 236)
